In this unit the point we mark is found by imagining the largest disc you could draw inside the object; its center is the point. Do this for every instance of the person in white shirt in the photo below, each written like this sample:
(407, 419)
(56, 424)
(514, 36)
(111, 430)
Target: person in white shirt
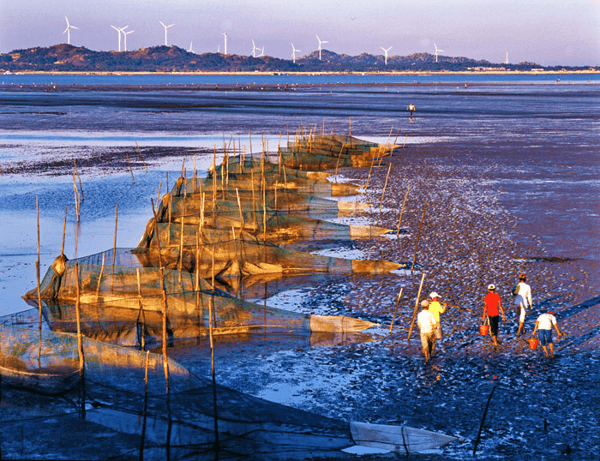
(544, 324)
(426, 323)
(523, 302)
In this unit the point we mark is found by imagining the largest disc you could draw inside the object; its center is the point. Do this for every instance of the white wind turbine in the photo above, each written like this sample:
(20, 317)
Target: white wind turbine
(225, 38)
(294, 53)
(386, 50)
(119, 33)
(166, 28)
(437, 50)
(254, 48)
(320, 43)
(125, 34)
(190, 49)
(68, 31)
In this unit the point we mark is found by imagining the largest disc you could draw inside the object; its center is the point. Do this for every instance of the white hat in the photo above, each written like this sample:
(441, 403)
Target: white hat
(491, 286)
(434, 295)
(424, 303)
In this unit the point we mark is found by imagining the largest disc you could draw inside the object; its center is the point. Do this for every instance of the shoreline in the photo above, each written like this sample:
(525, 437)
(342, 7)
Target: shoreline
(277, 73)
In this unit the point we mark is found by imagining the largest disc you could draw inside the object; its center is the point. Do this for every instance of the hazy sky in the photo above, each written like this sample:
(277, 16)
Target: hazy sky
(549, 32)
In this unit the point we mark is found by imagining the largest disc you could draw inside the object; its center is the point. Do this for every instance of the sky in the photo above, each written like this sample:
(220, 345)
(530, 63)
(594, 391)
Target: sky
(548, 32)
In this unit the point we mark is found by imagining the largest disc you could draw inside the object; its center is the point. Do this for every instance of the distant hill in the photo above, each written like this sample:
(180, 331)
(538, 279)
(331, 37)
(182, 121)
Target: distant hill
(68, 58)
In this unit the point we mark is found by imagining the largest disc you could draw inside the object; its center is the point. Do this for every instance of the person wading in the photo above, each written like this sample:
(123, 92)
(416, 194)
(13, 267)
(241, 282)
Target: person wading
(544, 324)
(492, 306)
(522, 293)
(436, 308)
(426, 323)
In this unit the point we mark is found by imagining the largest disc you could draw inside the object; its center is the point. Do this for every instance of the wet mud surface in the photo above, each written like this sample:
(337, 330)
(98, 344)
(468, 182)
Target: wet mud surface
(499, 203)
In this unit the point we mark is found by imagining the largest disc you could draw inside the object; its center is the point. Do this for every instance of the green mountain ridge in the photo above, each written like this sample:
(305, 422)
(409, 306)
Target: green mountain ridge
(68, 58)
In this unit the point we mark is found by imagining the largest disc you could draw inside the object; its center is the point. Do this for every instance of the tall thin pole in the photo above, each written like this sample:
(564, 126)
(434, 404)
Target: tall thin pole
(418, 237)
(412, 323)
(396, 308)
(385, 186)
(37, 273)
(115, 241)
(402, 211)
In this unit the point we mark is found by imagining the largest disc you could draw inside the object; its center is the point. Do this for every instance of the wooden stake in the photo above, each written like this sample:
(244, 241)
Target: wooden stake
(369, 175)
(79, 178)
(130, 169)
(402, 211)
(100, 276)
(37, 274)
(412, 323)
(164, 329)
(140, 152)
(141, 309)
(62, 248)
(237, 193)
(115, 241)
(418, 236)
(77, 200)
(80, 341)
(396, 308)
(385, 186)
(212, 366)
(483, 420)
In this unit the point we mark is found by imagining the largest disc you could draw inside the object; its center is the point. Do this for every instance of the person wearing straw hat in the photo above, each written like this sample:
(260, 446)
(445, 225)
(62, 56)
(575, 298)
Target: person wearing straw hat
(522, 293)
(426, 323)
(544, 325)
(492, 307)
(436, 308)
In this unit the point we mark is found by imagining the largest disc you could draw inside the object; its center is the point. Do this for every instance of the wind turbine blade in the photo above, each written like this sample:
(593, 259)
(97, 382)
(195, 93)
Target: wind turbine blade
(163, 24)
(67, 19)
(66, 30)
(73, 27)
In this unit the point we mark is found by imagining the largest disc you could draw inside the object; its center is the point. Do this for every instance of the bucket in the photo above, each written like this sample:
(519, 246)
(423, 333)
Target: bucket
(533, 342)
(484, 329)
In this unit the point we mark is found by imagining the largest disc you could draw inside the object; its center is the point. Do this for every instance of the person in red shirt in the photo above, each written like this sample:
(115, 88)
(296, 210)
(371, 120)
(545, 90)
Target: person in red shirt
(492, 306)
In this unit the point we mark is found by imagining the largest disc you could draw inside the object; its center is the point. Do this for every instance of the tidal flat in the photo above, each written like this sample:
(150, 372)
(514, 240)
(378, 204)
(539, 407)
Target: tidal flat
(509, 177)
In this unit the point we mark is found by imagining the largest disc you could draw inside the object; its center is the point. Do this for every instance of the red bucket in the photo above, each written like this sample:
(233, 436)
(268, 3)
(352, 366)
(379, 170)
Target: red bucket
(484, 329)
(533, 342)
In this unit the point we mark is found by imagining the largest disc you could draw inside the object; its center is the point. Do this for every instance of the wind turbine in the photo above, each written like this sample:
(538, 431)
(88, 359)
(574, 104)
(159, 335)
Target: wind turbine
(386, 53)
(437, 50)
(119, 33)
(225, 38)
(294, 53)
(190, 50)
(125, 37)
(68, 31)
(254, 48)
(320, 43)
(262, 52)
(166, 27)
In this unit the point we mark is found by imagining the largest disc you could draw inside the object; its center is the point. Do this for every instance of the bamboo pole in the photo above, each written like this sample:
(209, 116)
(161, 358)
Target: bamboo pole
(156, 233)
(79, 179)
(212, 366)
(385, 186)
(80, 342)
(100, 276)
(140, 152)
(37, 274)
(237, 193)
(369, 175)
(77, 200)
(402, 211)
(130, 169)
(144, 413)
(115, 241)
(338, 162)
(141, 307)
(164, 329)
(418, 237)
(62, 248)
(483, 420)
(396, 308)
(412, 323)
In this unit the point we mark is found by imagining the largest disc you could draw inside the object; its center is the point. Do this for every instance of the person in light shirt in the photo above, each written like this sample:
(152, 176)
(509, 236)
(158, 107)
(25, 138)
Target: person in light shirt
(544, 324)
(426, 323)
(436, 308)
(522, 293)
